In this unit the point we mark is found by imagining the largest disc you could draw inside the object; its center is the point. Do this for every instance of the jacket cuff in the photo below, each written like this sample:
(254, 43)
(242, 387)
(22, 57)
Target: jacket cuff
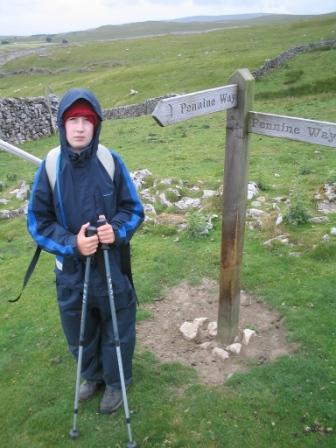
(118, 239)
(73, 243)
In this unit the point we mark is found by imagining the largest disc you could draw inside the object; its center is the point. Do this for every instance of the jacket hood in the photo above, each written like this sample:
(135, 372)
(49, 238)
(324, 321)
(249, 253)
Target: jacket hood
(68, 99)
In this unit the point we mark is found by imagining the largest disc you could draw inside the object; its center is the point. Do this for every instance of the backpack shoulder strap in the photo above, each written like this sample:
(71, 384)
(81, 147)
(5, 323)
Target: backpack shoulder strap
(104, 155)
(106, 158)
(51, 165)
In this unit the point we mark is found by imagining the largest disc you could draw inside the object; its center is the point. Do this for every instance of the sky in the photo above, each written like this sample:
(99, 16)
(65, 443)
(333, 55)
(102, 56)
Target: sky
(27, 17)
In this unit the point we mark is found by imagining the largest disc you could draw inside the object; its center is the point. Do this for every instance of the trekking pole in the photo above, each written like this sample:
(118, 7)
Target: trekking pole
(74, 433)
(105, 247)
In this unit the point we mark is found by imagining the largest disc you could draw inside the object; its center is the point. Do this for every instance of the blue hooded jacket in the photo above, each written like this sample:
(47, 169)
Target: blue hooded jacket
(83, 191)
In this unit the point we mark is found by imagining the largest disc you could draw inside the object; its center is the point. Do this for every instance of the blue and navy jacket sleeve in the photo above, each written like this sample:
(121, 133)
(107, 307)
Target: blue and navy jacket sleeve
(130, 213)
(42, 222)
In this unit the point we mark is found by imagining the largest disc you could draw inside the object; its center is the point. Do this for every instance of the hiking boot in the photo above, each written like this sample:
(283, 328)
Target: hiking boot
(111, 400)
(87, 389)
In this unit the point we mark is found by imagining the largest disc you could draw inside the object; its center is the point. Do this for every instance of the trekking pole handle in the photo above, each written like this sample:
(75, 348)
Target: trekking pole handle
(90, 231)
(102, 221)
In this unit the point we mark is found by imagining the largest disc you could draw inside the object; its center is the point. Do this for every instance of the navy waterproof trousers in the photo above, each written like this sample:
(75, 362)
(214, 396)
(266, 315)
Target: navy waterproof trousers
(99, 353)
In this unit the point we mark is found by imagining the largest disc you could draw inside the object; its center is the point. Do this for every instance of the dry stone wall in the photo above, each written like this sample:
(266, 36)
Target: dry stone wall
(24, 119)
(272, 64)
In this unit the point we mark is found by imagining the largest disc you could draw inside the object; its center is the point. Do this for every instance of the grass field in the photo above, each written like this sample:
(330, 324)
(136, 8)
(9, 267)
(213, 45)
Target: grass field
(288, 403)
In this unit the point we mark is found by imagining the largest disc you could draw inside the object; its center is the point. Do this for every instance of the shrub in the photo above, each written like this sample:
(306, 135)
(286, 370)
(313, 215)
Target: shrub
(262, 185)
(324, 252)
(196, 224)
(296, 215)
(304, 170)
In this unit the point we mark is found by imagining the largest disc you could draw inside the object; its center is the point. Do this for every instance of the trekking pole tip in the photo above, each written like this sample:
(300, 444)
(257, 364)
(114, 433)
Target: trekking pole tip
(74, 433)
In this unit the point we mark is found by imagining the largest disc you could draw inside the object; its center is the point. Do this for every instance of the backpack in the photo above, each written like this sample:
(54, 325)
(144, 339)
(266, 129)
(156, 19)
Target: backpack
(51, 161)
(104, 155)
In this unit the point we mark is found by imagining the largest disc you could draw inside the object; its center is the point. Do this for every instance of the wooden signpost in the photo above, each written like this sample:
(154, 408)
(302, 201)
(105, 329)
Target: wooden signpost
(236, 98)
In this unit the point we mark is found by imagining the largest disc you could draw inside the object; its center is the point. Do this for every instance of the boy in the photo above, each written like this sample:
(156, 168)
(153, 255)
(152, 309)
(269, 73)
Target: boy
(58, 217)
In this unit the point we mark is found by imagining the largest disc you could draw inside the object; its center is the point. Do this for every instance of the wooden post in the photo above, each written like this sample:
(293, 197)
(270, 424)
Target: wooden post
(234, 207)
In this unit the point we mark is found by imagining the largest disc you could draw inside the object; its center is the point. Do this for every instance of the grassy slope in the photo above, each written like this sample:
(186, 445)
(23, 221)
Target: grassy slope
(271, 405)
(156, 66)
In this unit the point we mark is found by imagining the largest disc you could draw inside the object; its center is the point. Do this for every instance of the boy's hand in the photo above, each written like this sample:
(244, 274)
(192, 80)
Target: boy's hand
(106, 234)
(87, 245)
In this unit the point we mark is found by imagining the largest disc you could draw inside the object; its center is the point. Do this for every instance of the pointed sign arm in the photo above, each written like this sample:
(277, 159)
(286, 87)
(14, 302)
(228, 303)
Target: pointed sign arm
(183, 107)
(19, 152)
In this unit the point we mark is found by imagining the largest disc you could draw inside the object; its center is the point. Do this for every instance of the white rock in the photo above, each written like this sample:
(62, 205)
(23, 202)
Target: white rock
(186, 202)
(23, 191)
(220, 353)
(333, 231)
(174, 191)
(192, 330)
(234, 348)
(146, 195)
(326, 238)
(189, 331)
(166, 181)
(149, 208)
(255, 213)
(164, 201)
(201, 321)
(318, 219)
(330, 191)
(252, 190)
(208, 225)
(247, 335)
(3, 201)
(139, 176)
(326, 207)
(212, 329)
(281, 238)
(327, 199)
(279, 220)
(209, 194)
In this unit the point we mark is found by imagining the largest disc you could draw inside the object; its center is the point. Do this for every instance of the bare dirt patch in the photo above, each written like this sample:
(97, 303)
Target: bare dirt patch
(160, 334)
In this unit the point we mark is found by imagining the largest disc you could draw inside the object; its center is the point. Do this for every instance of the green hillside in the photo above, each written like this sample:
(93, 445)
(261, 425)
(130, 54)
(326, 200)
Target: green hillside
(150, 28)
(158, 65)
(289, 402)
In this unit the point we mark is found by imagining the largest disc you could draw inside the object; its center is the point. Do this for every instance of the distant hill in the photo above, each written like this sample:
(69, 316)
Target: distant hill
(220, 18)
(184, 25)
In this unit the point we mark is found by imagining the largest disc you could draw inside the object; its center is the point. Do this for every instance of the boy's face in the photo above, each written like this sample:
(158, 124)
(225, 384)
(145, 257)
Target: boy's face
(79, 132)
